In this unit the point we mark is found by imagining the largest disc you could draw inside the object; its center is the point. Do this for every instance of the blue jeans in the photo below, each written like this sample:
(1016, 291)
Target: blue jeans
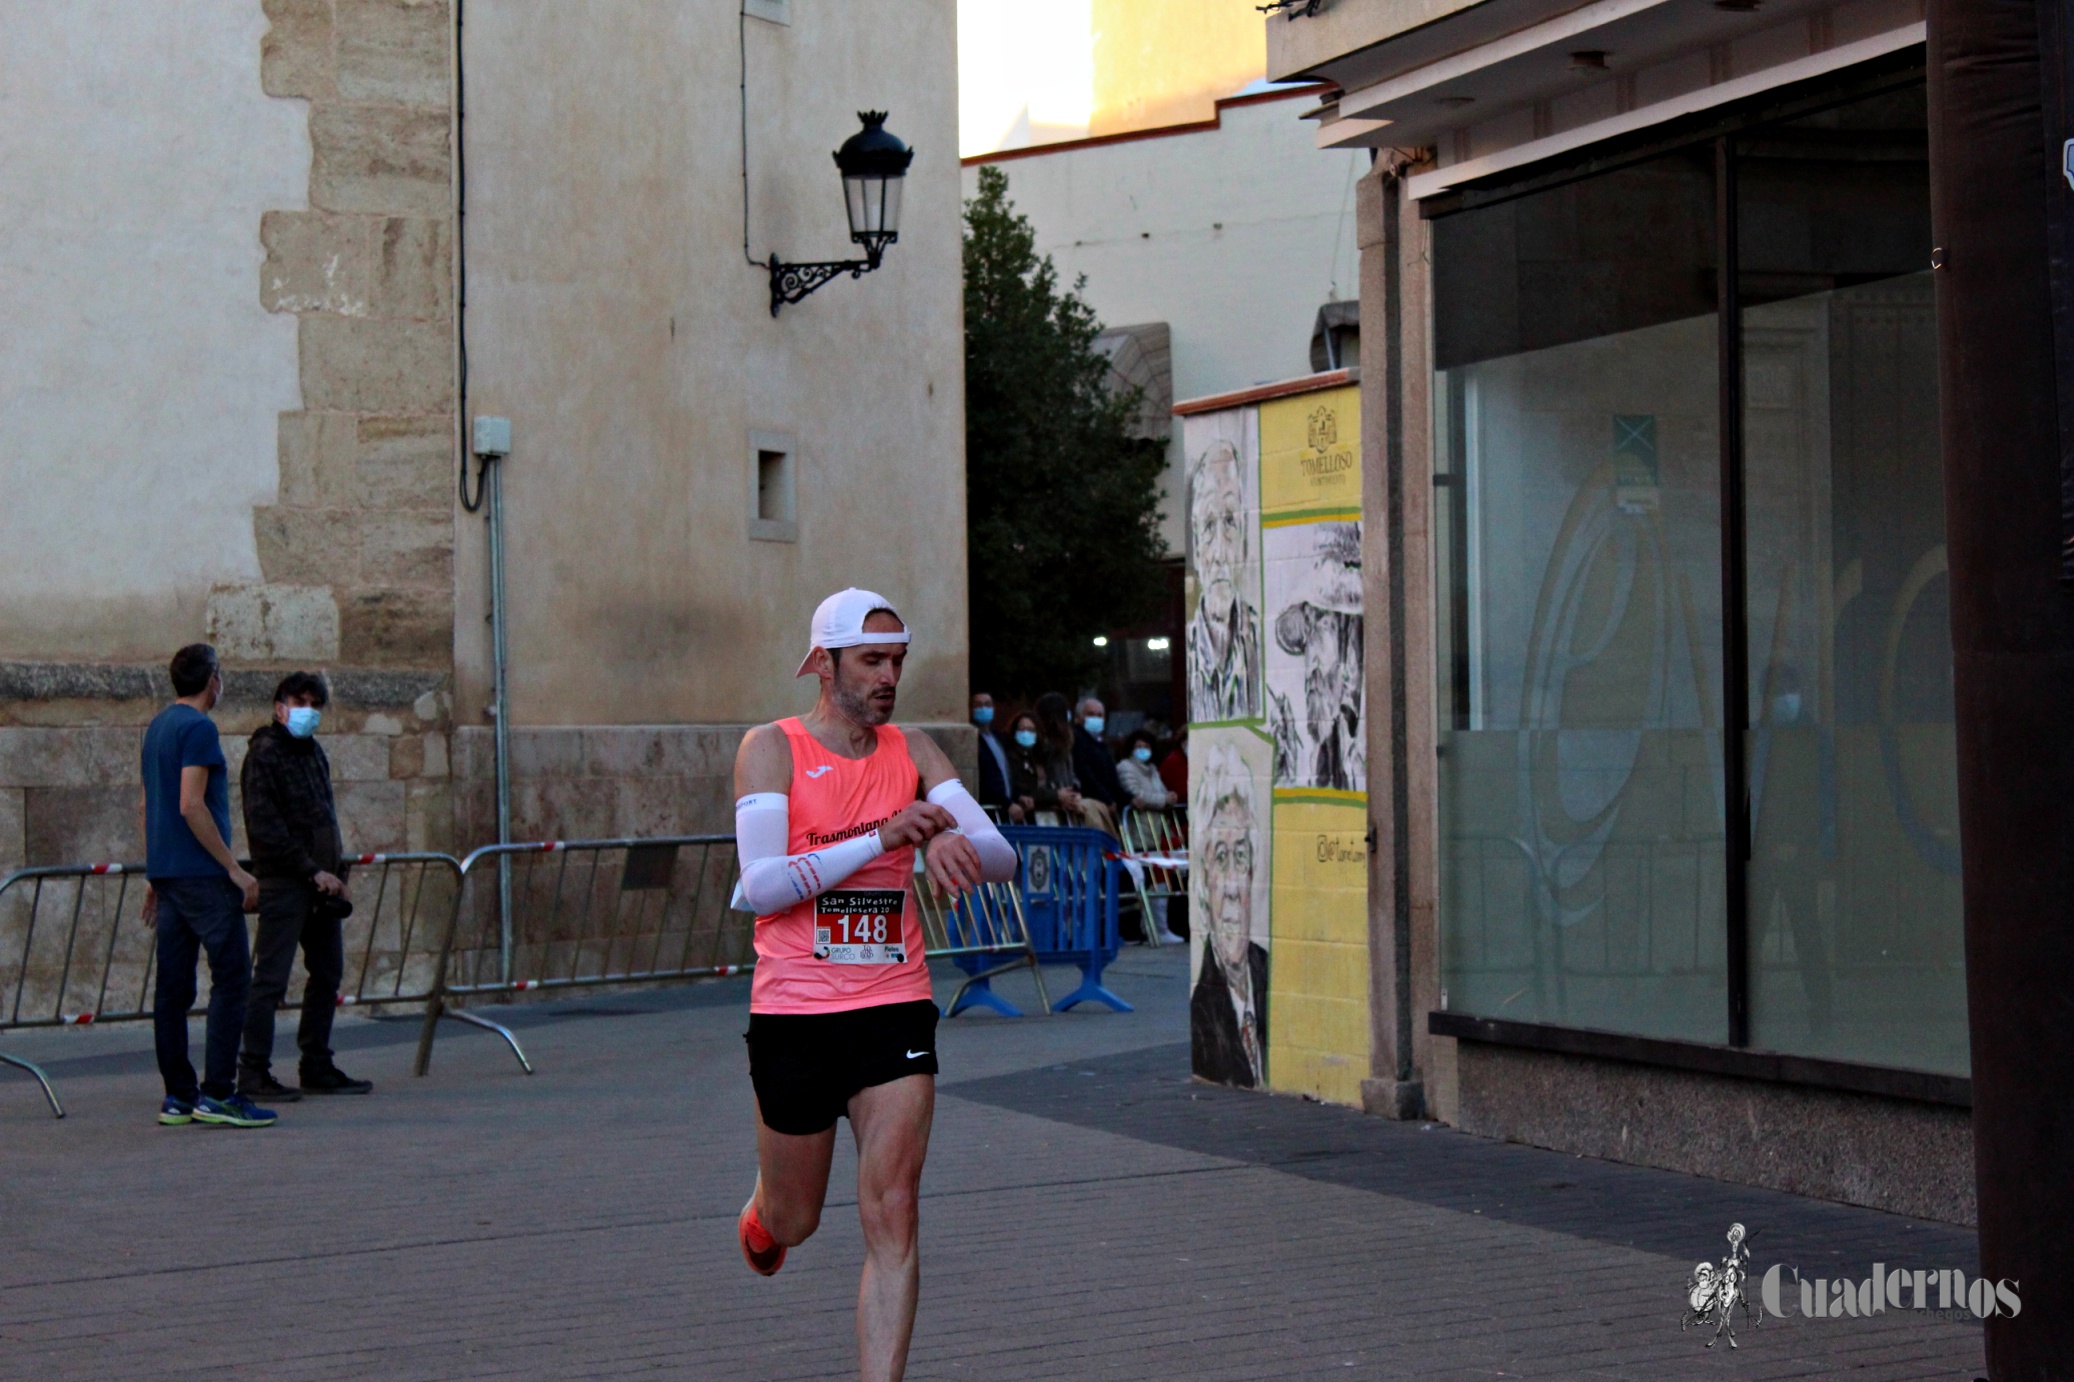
(197, 914)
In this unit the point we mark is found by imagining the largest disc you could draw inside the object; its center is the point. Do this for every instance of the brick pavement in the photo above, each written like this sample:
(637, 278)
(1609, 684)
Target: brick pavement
(1088, 1213)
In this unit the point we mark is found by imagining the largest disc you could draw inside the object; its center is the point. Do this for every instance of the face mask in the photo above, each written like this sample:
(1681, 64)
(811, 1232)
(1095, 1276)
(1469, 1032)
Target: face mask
(302, 721)
(1142, 754)
(1092, 724)
(983, 715)
(1027, 738)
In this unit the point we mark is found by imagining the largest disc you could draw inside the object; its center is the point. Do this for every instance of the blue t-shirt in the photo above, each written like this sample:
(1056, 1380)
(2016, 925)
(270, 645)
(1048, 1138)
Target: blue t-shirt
(181, 737)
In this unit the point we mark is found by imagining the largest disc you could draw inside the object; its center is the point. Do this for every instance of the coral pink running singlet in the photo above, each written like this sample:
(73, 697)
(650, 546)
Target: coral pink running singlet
(858, 945)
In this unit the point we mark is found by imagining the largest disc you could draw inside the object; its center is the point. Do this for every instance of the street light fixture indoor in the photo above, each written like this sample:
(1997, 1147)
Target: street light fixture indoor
(873, 164)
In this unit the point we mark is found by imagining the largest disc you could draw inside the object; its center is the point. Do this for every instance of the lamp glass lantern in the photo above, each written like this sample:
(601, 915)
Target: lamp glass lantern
(873, 163)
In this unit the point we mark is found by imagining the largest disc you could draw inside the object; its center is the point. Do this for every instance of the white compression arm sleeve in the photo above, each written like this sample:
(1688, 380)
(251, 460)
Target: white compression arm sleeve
(997, 857)
(773, 880)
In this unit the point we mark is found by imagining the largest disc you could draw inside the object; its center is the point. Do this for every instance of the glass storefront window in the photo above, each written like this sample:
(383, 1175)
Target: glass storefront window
(1581, 768)
(1854, 905)
(1579, 467)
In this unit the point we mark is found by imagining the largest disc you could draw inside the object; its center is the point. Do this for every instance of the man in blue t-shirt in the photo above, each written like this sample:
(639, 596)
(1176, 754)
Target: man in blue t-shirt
(197, 897)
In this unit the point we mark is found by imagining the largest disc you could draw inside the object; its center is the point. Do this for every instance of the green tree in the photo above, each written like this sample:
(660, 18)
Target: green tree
(1062, 502)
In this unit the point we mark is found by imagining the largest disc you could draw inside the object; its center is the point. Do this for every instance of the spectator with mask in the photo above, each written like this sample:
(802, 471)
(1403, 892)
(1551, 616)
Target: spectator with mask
(195, 896)
(1057, 740)
(1091, 761)
(1143, 789)
(993, 759)
(1030, 781)
(1142, 786)
(292, 823)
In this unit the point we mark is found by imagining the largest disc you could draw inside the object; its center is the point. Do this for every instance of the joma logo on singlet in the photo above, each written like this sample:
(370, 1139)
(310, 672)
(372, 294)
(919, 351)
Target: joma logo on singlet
(829, 837)
(824, 768)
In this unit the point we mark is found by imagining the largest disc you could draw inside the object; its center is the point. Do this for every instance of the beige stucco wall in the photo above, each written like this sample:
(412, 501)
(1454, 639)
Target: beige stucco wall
(230, 409)
(139, 374)
(226, 402)
(612, 317)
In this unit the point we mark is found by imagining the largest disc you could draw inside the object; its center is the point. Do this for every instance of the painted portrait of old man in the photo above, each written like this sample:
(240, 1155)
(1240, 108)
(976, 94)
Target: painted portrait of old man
(1227, 1008)
(1224, 632)
(1314, 666)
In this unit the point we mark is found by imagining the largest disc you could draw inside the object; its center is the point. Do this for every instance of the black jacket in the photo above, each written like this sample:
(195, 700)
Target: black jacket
(1217, 1051)
(1096, 769)
(290, 820)
(993, 780)
(1031, 775)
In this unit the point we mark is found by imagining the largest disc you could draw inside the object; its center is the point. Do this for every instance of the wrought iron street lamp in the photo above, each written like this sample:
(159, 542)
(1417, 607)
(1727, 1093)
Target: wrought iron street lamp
(874, 165)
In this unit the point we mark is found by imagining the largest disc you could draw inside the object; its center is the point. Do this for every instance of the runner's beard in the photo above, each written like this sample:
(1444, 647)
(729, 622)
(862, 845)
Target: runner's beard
(858, 706)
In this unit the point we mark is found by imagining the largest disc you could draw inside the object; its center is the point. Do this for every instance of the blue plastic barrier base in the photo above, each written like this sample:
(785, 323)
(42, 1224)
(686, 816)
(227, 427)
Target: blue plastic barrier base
(980, 994)
(1091, 990)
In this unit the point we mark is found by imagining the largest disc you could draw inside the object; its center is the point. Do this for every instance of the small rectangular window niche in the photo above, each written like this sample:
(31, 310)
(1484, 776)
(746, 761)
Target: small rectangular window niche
(773, 487)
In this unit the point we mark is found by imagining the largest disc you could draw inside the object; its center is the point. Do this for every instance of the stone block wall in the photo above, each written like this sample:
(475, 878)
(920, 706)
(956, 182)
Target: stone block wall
(70, 793)
(599, 781)
(403, 777)
(356, 551)
(71, 736)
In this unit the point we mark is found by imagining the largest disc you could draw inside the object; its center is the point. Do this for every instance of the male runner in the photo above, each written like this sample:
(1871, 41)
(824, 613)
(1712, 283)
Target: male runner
(830, 808)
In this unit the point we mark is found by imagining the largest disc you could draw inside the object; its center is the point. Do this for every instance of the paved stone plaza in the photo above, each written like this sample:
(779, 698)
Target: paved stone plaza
(1088, 1213)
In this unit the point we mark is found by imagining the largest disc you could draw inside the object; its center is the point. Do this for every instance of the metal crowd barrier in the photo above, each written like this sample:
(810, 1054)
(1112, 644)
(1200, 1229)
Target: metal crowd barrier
(1068, 885)
(985, 934)
(1155, 856)
(585, 913)
(74, 949)
(427, 929)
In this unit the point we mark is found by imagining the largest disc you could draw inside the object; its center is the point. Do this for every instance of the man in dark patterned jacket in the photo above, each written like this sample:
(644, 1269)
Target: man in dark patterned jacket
(292, 826)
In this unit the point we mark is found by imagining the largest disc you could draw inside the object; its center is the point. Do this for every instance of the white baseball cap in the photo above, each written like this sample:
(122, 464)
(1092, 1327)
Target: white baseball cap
(839, 623)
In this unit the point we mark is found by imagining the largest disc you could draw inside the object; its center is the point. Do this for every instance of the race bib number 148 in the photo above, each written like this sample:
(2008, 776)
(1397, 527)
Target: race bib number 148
(857, 926)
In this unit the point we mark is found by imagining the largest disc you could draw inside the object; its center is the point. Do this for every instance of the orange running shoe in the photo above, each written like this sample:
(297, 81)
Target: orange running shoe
(763, 1253)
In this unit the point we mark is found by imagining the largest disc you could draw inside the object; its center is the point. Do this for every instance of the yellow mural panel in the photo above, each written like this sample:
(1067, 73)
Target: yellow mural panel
(1321, 1052)
(1318, 985)
(1289, 741)
(1310, 456)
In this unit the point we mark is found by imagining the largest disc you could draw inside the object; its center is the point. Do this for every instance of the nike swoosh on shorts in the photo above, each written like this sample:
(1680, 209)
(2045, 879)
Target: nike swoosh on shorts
(916, 1055)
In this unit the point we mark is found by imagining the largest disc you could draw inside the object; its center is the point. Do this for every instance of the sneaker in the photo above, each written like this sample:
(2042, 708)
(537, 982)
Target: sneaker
(265, 1086)
(235, 1112)
(763, 1253)
(175, 1112)
(332, 1080)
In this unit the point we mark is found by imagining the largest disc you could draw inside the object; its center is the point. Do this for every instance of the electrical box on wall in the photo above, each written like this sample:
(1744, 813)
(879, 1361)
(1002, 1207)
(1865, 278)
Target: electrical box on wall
(492, 436)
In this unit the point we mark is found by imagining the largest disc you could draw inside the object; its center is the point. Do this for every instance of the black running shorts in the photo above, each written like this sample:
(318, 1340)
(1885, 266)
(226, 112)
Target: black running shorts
(806, 1066)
